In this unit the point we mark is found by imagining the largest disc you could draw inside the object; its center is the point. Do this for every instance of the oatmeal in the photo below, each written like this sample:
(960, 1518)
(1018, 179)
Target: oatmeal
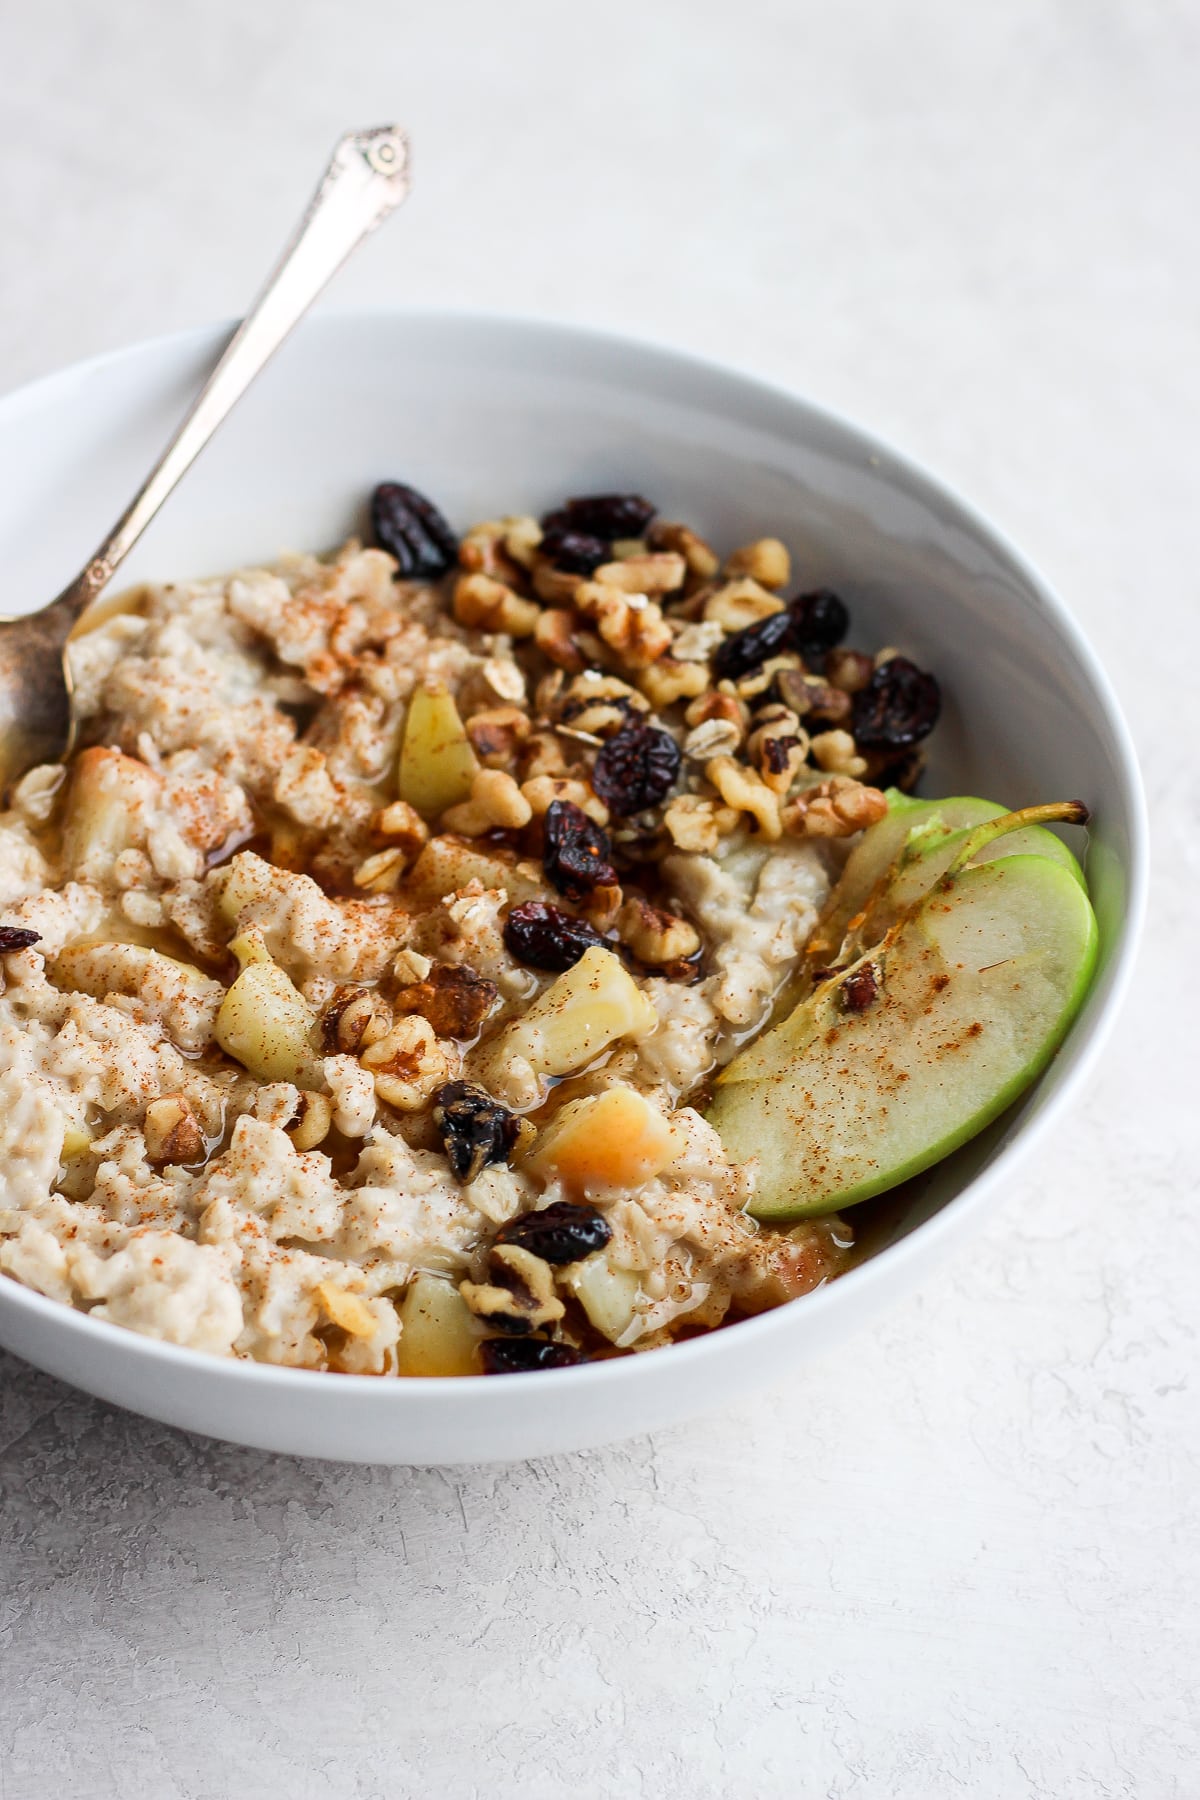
(365, 972)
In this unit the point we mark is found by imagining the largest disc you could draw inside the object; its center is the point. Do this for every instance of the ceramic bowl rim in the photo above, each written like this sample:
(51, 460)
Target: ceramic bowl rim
(926, 1239)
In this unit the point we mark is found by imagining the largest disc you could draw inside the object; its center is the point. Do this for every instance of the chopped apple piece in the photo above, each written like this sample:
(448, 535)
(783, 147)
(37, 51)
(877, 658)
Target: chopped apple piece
(105, 813)
(607, 1295)
(580, 1014)
(439, 1335)
(265, 1023)
(437, 763)
(446, 865)
(616, 1139)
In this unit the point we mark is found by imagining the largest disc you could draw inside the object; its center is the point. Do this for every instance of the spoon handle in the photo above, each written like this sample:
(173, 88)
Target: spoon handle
(367, 177)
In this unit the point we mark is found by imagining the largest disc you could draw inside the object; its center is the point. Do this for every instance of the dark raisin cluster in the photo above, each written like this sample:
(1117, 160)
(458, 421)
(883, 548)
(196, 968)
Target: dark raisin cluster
(516, 1356)
(545, 937)
(899, 706)
(410, 528)
(475, 1129)
(576, 856)
(811, 625)
(16, 937)
(637, 768)
(560, 1233)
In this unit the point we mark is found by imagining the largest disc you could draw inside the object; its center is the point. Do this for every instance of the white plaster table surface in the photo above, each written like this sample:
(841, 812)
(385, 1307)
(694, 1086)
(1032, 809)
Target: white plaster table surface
(961, 1556)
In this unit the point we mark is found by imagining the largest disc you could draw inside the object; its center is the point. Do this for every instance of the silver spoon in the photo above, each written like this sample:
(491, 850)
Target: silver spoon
(367, 177)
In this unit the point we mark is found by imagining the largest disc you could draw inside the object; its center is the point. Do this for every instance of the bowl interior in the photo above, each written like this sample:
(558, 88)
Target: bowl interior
(493, 416)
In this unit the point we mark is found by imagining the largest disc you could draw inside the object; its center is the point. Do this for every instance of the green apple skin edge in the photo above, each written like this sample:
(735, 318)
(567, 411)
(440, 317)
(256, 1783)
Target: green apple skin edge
(968, 995)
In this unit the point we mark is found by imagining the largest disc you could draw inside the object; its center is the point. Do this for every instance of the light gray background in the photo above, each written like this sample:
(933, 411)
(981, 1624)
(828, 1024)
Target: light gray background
(961, 1556)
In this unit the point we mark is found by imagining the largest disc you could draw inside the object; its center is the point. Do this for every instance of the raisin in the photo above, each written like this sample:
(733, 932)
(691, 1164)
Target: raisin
(753, 645)
(819, 622)
(475, 1129)
(577, 856)
(860, 989)
(411, 529)
(561, 1233)
(606, 516)
(514, 1356)
(16, 937)
(544, 937)
(899, 706)
(575, 552)
(637, 768)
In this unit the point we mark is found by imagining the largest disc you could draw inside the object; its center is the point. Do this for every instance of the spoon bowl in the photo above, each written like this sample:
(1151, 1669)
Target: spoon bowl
(366, 179)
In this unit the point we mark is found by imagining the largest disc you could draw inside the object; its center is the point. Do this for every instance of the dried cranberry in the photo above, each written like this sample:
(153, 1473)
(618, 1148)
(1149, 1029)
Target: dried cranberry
(515, 1356)
(899, 706)
(577, 856)
(545, 937)
(637, 768)
(819, 621)
(753, 645)
(606, 516)
(860, 988)
(411, 529)
(575, 552)
(561, 1233)
(475, 1129)
(16, 937)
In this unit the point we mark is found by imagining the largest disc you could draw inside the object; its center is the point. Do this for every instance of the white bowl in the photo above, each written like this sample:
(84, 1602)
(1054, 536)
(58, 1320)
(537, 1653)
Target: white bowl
(491, 415)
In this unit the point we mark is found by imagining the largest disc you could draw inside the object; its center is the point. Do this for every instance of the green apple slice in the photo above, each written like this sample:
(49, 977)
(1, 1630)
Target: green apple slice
(976, 987)
(917, 839)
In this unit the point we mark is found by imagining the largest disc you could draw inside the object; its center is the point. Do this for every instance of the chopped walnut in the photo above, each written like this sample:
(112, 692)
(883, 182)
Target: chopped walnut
(698, 824)
(557, 586)
(654, 936)
(404, 826)
(484, 604)
(667, 681)
(837, 753)
(555, 637)
(408, 1064)
(381, 873)
(355, 1018)
(630, 624)
(702, 561)
(739, 603)
(849, 670)
(172, 1131)
(542, 790)
(757, 681)
(777, 746)
(765, 561)
(521, 1290)
(542, 754)
(495, 734)
(745, 790)
(835, 808)
(496, 804)
(453, 998)
(716, 704)
(500, 547)
(598, 705)
(311, 1122)
(654, 574)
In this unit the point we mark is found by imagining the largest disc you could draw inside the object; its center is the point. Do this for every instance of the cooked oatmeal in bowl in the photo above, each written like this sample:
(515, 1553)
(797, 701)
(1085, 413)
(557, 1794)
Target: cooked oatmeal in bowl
(367, 970)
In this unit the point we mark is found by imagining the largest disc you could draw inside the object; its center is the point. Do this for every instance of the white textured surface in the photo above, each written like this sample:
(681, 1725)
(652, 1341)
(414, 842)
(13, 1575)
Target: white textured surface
(962, 1556)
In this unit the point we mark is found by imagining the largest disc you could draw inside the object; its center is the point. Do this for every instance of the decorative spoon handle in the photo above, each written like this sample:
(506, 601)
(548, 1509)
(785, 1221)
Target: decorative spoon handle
(367, 177)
